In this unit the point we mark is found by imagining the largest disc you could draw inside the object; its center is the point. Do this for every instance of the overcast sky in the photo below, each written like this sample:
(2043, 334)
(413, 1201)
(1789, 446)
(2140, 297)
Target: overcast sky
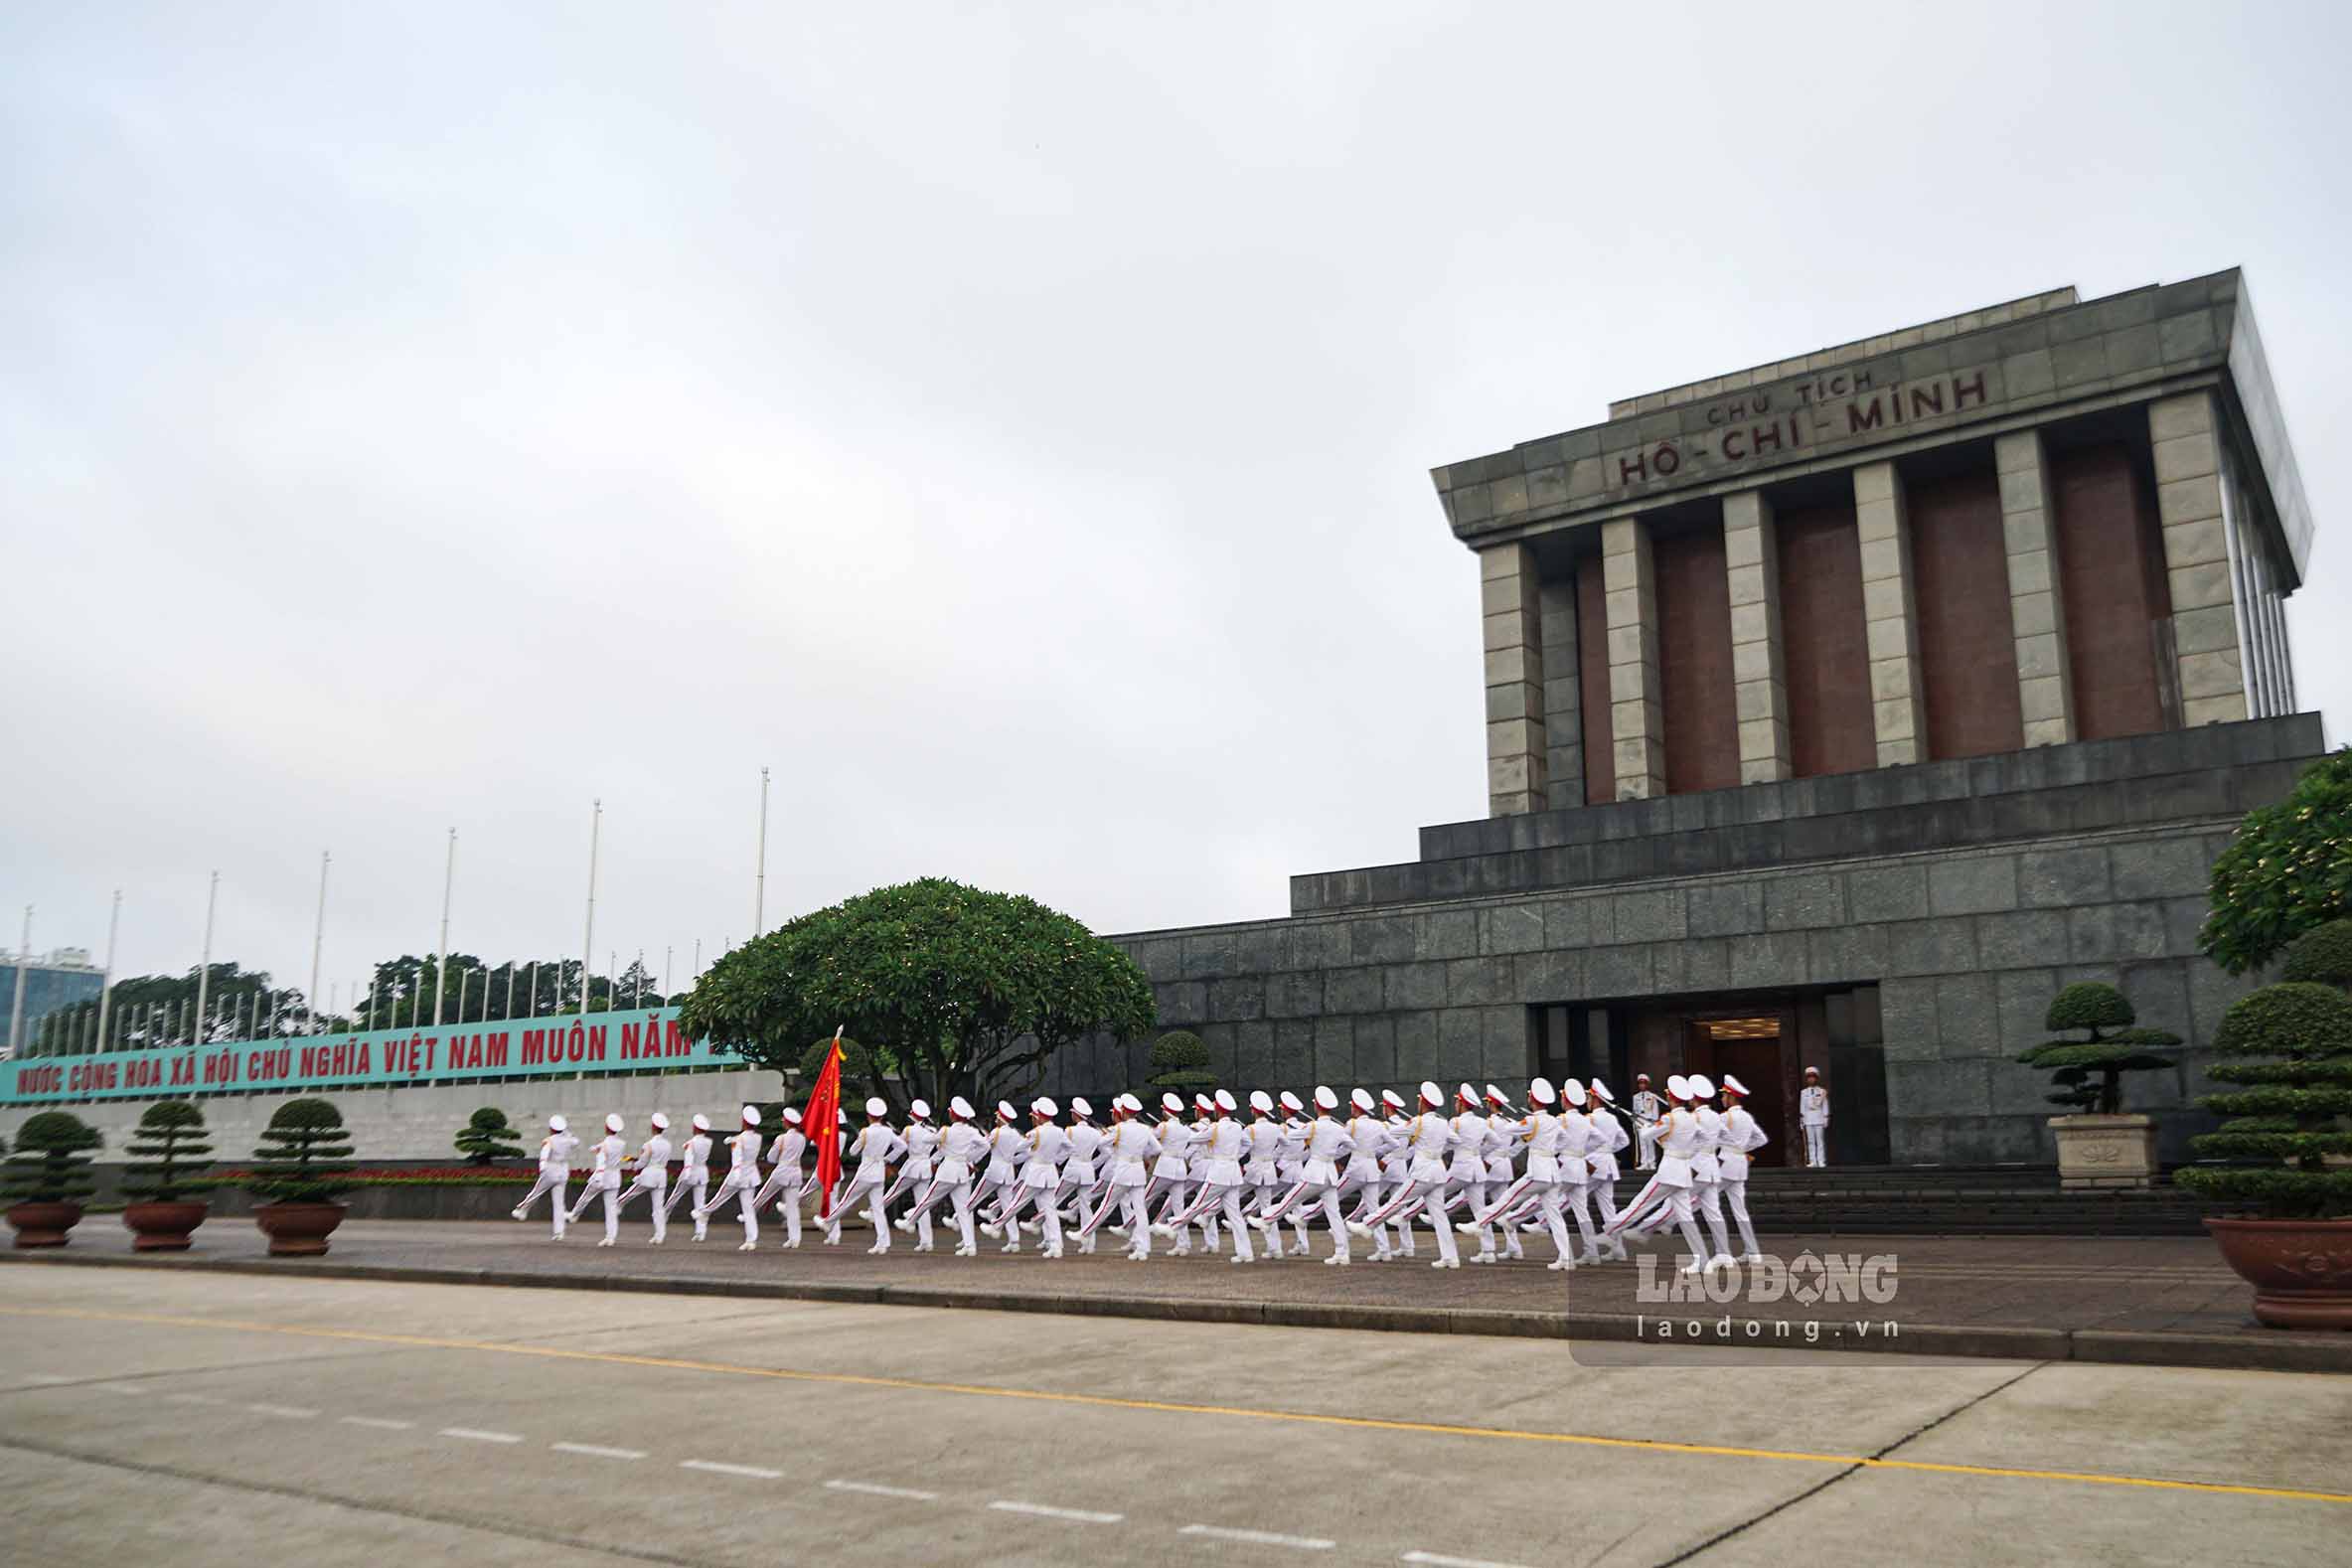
(1013, 429)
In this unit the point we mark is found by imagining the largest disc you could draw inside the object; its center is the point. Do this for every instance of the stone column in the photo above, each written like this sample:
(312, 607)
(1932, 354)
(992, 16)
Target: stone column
(1508, 588)
(1563, 696)
(1635, 727)
(2037, 615)
(1890, 613)
(2206, 637)
(1760, 689)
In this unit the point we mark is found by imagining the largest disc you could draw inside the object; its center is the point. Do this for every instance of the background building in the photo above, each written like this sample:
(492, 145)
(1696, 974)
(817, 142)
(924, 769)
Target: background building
(1840, 712)
(63, 978)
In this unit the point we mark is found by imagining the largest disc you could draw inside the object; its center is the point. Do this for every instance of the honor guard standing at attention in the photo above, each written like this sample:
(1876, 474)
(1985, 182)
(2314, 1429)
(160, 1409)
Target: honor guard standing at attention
(1813, 1113)
(604, 1177)
(877, 1149)
(1600, 1161)
(741, 1180)
(653, 1175)
(1428, 1137)
(784, 1175)
(1648, 1108)
(1740, 1138)
(693, 1176)
(554, 1173)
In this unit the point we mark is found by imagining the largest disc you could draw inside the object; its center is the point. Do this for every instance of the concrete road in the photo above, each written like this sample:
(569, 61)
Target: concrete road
(242, 1421)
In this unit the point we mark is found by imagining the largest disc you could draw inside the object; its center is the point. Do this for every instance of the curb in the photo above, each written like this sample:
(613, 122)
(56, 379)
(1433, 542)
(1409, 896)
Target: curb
(2270, 1351)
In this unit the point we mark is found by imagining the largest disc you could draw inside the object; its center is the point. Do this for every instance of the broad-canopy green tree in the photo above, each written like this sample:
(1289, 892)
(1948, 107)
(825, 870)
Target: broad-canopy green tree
(2288, 871)
(967, 991)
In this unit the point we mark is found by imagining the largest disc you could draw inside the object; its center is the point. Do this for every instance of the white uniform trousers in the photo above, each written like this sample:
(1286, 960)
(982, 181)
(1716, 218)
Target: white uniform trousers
(783, 1188)
(609, 1185)
(1708, 1194)
(1048, 1216)
(692, 1181)
(555, 1179)
(744, 1188)
(1418, 1190)
(957, 1192)
(1817, 1147)
(871, 1190)
(655, 1184)
(1735, 1198)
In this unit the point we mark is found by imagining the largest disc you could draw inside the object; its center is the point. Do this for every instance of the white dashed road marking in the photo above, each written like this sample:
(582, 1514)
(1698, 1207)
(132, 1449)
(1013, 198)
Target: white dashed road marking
(49, 1378)
(1434, 1560)
(283, 1412)
(476, 1435)
(749, 1472)
(194, 1399)
(1219, 1532)
(378, 1423)
(593, 1451)
(1074, 1515)
(873, 1491)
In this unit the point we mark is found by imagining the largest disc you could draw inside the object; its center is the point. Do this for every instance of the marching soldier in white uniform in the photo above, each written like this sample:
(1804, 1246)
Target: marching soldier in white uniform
(877, 1149)
(922, 1148)
(653, 1175)
(1007, 1149)
(1217, 1164)
(693, 1175)
(604, 1179)
(1706, 1171)
(1813, 1113)
(1599, 1160)
(742, 1182)
(1740, 1138)
(1173, 1174)
(1648, 1107)
(1677, 1135)
(1427, 1136)
(784, 1176)
(1396, 1167)
(554, 1173)
(1507, 1132)
(1082, 1173)
(1466, 1177)
(1130, 1149)
(1257, 1166)
(962, 1148)
(1039, 1180)
(1368, 1138)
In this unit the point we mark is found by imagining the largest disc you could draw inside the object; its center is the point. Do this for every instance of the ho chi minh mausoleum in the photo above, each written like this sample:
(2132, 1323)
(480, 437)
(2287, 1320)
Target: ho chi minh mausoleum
(1838, 711)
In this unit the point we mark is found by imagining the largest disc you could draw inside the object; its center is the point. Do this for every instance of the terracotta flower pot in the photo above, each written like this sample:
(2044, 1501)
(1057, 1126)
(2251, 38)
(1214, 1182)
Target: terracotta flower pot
(42, 1224)
(163, 1227)
(2300, 1269)
(298, 1230)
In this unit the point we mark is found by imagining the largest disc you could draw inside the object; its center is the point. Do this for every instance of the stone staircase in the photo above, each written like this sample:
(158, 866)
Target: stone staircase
(1977, 1201)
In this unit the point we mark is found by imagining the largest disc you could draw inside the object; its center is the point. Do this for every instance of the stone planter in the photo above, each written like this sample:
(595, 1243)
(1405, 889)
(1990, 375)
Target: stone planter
(42, 1224)
(162, 1227)
(2300, 1269)
(298, 1230)
(2105, 1151)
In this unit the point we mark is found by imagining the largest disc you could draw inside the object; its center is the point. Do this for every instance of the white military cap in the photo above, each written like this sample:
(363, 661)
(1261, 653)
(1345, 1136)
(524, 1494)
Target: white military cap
(1260, 1100)
(701, 1123)
(1467, 1096)
(1733, 1085)
(1004, 1110)
(1363, 1100)
(877, 1106)
(920, 1110)
(556, 1124)
(614, 1123)
(661, 1120)
(960, 1108)
(1044, 1106)
(1079, 1107)
(1225, 1100)
(1393, 1100)
(1173, 1103)
(1678, 1086)
(751, 1116)
(1701, 1086)
(1495, 1096)
(1291, 1102)
(1541, 1090)
(1324, 1099)
(791, 1115)
(1812, 1072)
(1131, 1102)
(1204, 1104)
(1430, 1095)
(1572, 1091)
(1600, 1092)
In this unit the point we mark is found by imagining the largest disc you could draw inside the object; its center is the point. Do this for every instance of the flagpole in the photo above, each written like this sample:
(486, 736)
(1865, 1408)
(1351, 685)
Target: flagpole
(759, 876)
(442, 960)
(588, 940)
(106, 983)
(204, 967)
(23, 958)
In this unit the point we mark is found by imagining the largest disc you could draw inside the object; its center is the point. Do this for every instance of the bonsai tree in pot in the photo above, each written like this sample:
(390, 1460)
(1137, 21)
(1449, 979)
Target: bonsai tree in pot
(487, 1137)
(301, 1166)
(2097, 1145)
(168, 1169)
(1179, 1061)
(47, 1178)
(2287, 1226)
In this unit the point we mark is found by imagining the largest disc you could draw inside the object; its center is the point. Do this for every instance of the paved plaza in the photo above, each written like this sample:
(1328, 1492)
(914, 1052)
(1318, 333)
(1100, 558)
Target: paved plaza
(2168, 1301)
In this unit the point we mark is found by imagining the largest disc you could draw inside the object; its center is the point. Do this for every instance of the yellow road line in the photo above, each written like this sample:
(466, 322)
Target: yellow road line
(1112, 1402)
